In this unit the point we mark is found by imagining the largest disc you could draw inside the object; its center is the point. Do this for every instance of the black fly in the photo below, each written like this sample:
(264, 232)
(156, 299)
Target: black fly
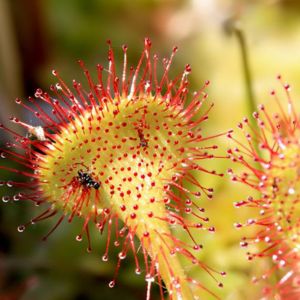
(143, 141)
(87, 181)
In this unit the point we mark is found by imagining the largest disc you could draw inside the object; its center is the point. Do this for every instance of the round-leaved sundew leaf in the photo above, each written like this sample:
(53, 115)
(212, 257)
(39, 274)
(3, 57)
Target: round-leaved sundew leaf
(273, 170)
(121, 155)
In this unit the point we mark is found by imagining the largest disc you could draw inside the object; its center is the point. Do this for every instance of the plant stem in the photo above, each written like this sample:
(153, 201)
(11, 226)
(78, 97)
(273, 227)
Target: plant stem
(170, 268)
(251, 103)
(159, 243)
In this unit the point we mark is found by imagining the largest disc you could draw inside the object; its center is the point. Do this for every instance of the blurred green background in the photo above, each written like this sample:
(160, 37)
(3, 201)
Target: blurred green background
(37, 36)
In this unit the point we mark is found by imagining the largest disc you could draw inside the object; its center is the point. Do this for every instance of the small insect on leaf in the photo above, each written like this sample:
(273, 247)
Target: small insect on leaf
(87, 181)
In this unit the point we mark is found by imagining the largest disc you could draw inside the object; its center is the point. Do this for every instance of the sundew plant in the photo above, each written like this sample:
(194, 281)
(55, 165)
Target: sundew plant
(121, 155)
(270, 157)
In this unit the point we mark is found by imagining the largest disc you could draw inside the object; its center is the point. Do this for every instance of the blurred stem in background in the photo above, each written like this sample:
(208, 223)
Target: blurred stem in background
(10, 71)
(251, 103)
(232, 26)
(250, 99)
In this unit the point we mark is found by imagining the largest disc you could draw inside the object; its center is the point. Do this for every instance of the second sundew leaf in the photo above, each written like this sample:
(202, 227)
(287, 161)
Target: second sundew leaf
(274, 174)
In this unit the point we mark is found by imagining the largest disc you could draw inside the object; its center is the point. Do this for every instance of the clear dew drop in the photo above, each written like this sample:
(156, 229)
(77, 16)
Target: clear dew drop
(243, 244)
(105, 257)
(291, 191)
(167, 201)
(149, 278)
(138, 271)
(282, 263)
(9, 184)
(176, 284)
(197, 247)
(197, 194)
(237, 225)
(147, 85)
(122, 255)
(79, 238)
(188, 210)
(5, 199)
(21, 228)
(58, 86)
(211, 229)
(2, 155)
(188, 202)
(111, 284)
(275, 257)
(16, 197)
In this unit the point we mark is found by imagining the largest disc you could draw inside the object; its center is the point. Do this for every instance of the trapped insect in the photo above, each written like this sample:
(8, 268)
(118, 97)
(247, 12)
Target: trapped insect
(143, 141)
(87, 181)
